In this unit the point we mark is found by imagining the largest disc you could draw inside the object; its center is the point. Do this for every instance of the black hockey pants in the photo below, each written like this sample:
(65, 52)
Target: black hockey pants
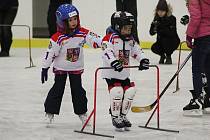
(54, 98)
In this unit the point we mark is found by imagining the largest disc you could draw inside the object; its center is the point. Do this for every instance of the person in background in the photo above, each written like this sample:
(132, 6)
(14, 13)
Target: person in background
(8, 12)
(131, 7)
(51, 17)
(199, 30)
(164, 25)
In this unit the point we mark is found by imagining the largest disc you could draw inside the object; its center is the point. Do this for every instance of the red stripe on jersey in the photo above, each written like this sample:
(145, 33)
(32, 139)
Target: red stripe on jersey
(83, 30)
(110, 37)
(62, 38)
(79, 35)
(56, 36)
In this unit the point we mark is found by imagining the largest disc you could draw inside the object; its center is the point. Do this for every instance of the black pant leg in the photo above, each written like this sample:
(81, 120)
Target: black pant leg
(51, 20)
(207, 71)
(119, 5)
(170, 45)
(7, 18)
(131, 7)
(1, 28)
(51, 16)
(54, 98)
(157, 49)
(78, 94)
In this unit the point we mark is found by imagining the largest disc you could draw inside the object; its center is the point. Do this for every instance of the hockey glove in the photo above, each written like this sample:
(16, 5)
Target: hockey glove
(117, 65)
(184, 20)
(144, 64)
(44, 75)
(189, 41)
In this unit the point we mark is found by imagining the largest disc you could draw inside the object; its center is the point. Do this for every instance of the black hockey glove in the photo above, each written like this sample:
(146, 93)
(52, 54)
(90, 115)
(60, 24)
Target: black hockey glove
(144, 64)
(184, 20)
(117, 65)
(44, 75)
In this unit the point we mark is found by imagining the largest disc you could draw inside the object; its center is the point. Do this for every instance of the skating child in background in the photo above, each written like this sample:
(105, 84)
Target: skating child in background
(117, 49)
(65, 51)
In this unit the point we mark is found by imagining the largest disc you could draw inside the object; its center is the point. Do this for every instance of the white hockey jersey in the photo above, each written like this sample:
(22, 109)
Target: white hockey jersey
(66, 52)
(114, 48)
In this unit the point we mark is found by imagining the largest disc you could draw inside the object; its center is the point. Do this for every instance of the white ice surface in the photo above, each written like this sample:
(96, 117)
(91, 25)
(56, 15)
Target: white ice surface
(22, 96)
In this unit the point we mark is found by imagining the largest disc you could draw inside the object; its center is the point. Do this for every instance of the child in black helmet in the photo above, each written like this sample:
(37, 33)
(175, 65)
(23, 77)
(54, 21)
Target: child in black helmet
(118, 47)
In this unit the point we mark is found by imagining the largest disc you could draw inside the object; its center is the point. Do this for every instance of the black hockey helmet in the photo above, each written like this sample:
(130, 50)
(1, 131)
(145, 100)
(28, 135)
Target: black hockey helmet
(120, 19)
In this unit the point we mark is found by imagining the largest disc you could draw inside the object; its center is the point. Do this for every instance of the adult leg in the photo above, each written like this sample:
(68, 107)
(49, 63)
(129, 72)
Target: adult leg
(1, 28)
(205, 50)
(8, 19)
(54, 98)
(131, 7)
(194, 108)
(51, 19)
(170, 45)
(157, 49)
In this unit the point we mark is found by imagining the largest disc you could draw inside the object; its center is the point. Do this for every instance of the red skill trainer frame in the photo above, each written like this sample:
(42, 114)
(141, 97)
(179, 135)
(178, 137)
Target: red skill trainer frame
(93, 113)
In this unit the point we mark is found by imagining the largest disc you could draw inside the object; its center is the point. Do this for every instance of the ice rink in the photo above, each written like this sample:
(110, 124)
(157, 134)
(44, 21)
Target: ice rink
(22, 96)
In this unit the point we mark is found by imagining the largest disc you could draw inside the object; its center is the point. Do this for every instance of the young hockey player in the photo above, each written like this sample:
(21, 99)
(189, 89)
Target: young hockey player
(117, 48)
(65, 51)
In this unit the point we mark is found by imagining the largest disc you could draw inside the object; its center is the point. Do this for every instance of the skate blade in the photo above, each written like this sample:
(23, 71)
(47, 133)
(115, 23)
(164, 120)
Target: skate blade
(127, 129)
(206, 110)
(119, 129)
(193, 113)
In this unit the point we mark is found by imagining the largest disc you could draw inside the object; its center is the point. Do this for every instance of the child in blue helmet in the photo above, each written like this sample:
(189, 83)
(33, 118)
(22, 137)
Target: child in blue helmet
(65, 51)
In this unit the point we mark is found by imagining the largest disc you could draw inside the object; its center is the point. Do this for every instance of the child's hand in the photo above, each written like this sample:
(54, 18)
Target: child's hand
(144, 64)
(44, 75)
(117, 65)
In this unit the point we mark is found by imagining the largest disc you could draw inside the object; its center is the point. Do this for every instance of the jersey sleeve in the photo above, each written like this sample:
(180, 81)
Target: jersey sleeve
(137, 52)
(108, 51)
(52, 52)
(92, 39)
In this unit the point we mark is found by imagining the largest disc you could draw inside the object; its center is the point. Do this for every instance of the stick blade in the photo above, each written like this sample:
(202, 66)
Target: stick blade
(138, 109)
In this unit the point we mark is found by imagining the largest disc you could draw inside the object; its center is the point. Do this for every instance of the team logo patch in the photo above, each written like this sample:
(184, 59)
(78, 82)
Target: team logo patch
(72, 54)
(124, 57)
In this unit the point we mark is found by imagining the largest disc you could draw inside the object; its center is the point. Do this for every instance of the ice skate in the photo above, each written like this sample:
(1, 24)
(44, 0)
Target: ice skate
(118, 123)
(127, 123)
(83, 118)
(195, 107)
(162, 59)
(168, 59)
(49, 118)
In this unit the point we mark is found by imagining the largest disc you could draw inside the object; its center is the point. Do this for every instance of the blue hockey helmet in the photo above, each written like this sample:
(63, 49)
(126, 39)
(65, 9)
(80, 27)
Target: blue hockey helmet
(64, 12)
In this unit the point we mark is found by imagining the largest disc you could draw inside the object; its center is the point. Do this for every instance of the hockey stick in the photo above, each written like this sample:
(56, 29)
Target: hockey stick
(178, 65)
(139, 109)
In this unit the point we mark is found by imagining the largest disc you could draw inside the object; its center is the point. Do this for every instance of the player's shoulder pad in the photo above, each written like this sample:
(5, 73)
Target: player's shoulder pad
(56, 36)
(83, 30)
(110, 37)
